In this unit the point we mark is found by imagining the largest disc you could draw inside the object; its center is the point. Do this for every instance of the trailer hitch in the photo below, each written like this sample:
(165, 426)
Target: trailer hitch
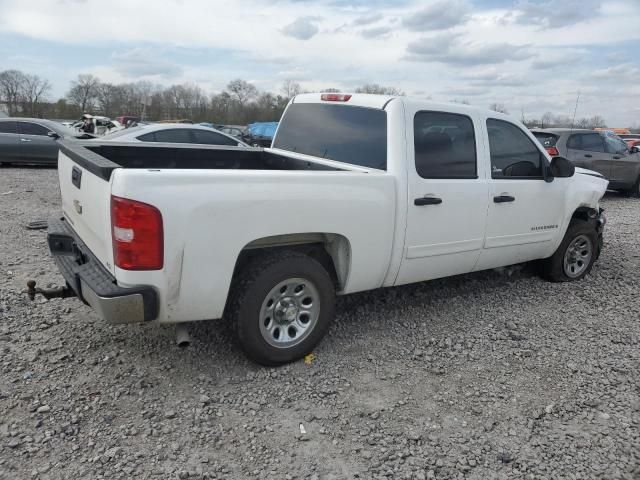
(48, 293)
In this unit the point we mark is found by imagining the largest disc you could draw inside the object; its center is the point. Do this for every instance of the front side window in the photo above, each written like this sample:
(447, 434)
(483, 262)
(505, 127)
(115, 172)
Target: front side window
(615, 145)
(591, 142)
(212, 138)
(28, 128)
(445, 145)
(350, 134)
(8, 127)
(513, 153)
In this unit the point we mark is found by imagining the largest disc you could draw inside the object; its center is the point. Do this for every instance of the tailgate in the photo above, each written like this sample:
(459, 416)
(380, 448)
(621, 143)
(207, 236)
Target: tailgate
(86, 204)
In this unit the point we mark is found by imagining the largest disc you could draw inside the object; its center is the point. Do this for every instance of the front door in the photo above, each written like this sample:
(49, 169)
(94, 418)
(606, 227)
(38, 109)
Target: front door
(525, 212)
(624, 164)
(37, 145)
(587, 150)
(447, 196)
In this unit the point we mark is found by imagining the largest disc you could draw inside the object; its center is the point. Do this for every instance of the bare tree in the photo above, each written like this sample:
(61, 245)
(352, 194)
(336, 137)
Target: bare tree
(330, 90)
(547, 120)
(290, 88)
(498, 107)
(34, 89)
(84, 91)
(379, 89)
(243, 91)
(11, 83)
(597, 122)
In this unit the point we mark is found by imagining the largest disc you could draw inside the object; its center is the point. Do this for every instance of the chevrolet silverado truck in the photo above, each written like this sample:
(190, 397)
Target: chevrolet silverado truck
(357, 192)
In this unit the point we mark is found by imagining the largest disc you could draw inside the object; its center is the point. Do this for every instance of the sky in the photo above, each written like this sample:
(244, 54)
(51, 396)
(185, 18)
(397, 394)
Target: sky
(533, 56)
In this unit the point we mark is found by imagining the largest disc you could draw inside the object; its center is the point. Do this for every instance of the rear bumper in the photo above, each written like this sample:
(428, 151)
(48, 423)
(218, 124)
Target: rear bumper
(93, 284)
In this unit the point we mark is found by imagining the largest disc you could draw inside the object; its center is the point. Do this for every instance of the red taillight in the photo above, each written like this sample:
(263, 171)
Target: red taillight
(138, 237)
(553, 151)
(335, 97)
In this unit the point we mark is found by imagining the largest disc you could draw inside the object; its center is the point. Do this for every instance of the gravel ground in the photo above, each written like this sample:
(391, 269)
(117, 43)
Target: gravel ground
(484, 376)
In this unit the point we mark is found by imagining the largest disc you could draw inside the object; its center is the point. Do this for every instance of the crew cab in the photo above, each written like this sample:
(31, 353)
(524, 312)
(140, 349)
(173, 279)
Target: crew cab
(357, 192)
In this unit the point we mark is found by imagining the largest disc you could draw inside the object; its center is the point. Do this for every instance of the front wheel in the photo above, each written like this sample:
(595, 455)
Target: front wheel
(575, 256)
(282, 305)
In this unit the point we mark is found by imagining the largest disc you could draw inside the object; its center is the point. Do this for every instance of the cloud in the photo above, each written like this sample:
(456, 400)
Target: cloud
(141, 62)
(367, 19)
(376, 32)
(440, 15)
(495, 77)
(556, 13)
(628, 71)
(302, 28)
(448, 48)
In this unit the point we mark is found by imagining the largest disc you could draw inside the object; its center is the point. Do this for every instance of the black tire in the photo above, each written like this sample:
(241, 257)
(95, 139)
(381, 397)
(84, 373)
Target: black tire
(250, 290)
(635, 190)
(553, 268)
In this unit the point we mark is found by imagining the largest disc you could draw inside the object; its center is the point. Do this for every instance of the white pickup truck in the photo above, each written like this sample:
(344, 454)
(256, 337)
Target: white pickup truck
(357, 192)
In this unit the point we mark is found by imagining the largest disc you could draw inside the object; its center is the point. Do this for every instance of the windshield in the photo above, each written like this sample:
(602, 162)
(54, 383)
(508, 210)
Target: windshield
(355, 135)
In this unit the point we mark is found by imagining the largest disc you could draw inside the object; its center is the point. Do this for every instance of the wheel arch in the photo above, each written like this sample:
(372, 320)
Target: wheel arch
(331, 250)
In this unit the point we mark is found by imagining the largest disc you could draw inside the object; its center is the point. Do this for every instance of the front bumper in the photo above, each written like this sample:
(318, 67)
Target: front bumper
(93, 284)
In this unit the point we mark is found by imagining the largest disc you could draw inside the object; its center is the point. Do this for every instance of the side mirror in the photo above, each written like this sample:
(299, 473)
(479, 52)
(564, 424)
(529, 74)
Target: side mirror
(53, 135)
(240, 144)
(562, 168)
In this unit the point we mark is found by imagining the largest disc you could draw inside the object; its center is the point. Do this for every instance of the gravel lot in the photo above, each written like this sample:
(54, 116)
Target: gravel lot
(485, 376)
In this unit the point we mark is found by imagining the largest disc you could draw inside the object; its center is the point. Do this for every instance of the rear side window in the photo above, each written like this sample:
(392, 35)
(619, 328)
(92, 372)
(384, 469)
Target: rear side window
(445, 145)
(513, 153)
(28, 128)
(175, 135)
(8, 127)
(546, 139)
(591, 142)
(355, 135)
(212, 138)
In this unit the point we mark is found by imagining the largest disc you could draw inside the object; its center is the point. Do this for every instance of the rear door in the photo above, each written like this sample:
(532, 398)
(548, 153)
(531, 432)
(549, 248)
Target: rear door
(9, 141)
(37, 145)
(587, 150)
(86, 204)
(447, 196)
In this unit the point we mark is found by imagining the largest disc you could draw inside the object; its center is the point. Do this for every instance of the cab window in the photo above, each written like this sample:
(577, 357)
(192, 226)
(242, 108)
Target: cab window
(445, 145)
(513, 154)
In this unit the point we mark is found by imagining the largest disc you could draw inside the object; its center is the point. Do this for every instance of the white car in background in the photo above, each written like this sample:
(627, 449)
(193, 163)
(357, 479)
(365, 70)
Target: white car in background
(174, 133)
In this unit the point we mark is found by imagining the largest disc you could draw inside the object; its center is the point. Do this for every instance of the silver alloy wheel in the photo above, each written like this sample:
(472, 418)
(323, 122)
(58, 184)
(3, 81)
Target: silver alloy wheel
(289, 312)
(578, 256)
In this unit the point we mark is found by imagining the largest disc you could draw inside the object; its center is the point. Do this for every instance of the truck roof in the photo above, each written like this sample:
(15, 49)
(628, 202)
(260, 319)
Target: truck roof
(381, 101)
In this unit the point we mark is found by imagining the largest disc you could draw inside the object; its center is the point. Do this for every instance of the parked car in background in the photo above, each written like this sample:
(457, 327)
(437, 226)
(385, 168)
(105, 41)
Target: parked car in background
(101, 125)
(174, 133)
(127, 120)
(601, 151)
(233, 130)
(31, 140)
(631, 139)
(260, 134)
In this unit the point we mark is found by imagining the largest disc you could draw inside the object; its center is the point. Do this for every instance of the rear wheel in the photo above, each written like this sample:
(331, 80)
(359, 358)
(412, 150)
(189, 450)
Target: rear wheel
(576, 254)
(282, 305)
(635, 190)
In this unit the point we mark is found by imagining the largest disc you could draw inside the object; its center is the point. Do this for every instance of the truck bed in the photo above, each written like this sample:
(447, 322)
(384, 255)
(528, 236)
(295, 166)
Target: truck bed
(102, 158)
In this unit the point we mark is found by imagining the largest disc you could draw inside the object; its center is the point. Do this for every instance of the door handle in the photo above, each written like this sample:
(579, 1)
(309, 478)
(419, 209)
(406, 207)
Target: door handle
(427, 201)
(588, 155)
(616, 157)
(25, 140)
(503, 199)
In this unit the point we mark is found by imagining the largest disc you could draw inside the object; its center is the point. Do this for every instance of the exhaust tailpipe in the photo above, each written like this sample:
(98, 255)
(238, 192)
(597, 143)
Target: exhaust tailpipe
(183, 339)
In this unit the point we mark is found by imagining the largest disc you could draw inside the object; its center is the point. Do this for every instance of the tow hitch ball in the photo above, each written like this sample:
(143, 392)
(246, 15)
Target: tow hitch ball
(48, 293)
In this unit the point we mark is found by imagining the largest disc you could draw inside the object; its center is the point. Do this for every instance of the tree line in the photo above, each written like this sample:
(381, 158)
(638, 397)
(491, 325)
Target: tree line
(239, 103)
